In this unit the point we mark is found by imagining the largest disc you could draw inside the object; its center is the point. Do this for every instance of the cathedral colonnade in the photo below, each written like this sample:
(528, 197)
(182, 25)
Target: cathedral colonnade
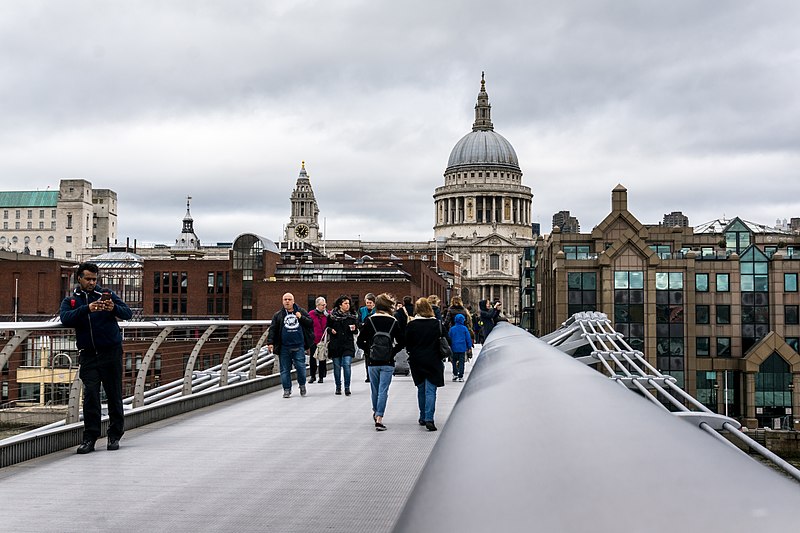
(487, 209)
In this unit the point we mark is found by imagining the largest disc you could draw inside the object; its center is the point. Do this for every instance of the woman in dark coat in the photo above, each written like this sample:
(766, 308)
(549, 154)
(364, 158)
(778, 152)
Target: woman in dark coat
(342, 327)
(422, 344)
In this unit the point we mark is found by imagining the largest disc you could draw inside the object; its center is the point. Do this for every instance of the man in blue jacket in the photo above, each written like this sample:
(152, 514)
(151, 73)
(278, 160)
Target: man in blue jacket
(460, 342)
(93, 313)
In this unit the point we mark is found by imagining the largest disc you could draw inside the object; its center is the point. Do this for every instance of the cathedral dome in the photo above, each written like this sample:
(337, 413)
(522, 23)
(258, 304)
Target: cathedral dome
(483, 147)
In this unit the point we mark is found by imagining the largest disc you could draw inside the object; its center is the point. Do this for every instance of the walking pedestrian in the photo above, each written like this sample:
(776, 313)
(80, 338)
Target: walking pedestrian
(319, 315)
(93, 312)
(460, 342)
(342, 327)
(380, 338)
(422, 339)
(290, 334)
(366, 310)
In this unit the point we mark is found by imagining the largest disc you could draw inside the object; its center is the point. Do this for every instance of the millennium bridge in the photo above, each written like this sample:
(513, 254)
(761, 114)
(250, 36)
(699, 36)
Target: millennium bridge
(536, 439)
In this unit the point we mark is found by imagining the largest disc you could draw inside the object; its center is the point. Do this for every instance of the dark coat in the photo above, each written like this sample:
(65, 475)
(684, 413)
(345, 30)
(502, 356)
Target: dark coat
(276, 328)
(343, 342)
(488, 317)
(450, 319)
(98, 330)
(422, 345)
(382, 323)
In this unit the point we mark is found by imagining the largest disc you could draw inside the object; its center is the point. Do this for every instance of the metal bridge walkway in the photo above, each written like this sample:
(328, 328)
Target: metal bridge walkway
(257, 463)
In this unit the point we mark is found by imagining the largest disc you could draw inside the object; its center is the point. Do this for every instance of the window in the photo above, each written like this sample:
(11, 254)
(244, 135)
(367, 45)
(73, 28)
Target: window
(669, 324)
(702, 314)
(494, 262)
(69, 238)
(156, 282)
(664, 251)
(723, 346)
(701, 282)
(790, 315)
(41, 213)
(754, 269)
(703, 346)
(723, 314)
(790, 282)
(581, 292)
(29, 225)
(794, 342)
(723, 282)
(737, 237)
(69, 221)
(17, 214)
(30, 213)
(629, 306)
(576, 252)
(5, 213)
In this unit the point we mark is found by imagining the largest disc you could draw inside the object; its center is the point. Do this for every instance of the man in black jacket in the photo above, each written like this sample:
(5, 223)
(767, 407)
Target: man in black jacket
(93, 313)
(291, 333)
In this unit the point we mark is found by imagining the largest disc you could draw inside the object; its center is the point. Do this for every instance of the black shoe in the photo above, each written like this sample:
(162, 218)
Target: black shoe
(429, 426)
(339, 392)
(313, 379)
(347, 392)
(421, 422)
(320, 380)
(366, 380)
(379, 427)
(113, 444)
(86, 446)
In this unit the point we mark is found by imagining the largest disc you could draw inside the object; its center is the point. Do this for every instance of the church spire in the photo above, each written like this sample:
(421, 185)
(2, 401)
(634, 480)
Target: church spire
(483, 110)
(187, 242)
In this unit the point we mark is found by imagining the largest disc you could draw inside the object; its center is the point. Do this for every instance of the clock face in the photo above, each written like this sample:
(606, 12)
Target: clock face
(301, 231)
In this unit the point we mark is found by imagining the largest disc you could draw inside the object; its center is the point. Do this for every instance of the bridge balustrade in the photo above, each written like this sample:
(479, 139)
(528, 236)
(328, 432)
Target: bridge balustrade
(168, 367)
(538, 441)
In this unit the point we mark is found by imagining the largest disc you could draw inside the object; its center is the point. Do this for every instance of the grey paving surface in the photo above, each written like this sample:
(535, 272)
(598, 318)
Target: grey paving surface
(261, 463)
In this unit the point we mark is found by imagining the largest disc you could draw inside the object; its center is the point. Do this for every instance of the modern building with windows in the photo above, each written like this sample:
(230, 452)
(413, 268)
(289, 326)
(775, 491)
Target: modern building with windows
(715, 306)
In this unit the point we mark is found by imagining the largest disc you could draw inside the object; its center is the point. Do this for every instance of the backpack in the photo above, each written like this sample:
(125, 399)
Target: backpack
(381, 349)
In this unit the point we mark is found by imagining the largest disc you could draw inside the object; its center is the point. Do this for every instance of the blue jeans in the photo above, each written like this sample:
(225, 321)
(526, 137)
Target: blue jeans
(289, 355)
(458, 364)
(426, 398)
(380, 377)
(340, 363)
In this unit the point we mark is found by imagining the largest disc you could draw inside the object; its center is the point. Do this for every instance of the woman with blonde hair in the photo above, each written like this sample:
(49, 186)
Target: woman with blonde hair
(422, 339)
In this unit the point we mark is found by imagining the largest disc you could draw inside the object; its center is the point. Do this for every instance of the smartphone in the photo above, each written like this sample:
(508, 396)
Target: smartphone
(106, 296)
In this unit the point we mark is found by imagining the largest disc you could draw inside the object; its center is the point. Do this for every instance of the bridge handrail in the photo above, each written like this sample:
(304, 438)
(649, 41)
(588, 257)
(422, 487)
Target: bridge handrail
(539, 441)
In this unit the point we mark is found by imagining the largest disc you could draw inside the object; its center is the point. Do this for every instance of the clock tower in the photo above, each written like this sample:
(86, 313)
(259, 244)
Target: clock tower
(304, 221)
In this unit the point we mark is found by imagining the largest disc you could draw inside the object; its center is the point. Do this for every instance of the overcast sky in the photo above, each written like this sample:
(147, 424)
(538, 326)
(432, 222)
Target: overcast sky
(694, 106)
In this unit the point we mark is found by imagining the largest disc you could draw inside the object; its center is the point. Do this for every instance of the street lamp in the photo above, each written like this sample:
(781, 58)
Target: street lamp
(715, 396)
(791, 404)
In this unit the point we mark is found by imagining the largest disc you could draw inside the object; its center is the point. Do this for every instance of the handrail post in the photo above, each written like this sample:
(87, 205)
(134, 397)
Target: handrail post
(187, 376)
(223, 373)
(141, 375)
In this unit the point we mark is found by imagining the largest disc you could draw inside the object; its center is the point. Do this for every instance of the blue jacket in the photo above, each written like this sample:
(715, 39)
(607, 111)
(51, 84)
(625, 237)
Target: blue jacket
(460, 339)
(93, 331)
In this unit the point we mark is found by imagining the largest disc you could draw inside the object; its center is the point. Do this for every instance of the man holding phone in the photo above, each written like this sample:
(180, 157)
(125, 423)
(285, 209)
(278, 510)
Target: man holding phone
(93, 313)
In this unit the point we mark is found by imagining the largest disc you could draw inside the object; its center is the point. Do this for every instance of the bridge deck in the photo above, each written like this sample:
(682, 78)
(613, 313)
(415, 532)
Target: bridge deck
(260, 463)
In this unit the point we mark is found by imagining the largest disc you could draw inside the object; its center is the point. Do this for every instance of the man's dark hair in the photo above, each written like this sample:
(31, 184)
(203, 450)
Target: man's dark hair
(91, 267)
(407, 300)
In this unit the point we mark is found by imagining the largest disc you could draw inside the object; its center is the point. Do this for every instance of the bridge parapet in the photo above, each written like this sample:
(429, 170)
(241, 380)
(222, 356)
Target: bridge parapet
(169, 367)
(539, 441)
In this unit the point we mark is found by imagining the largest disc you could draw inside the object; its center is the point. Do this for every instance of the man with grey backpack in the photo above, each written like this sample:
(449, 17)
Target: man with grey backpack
(380, 338)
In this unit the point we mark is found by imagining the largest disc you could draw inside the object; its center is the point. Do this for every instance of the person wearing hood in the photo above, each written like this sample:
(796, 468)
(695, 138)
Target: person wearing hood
(290, 334)
(460, 342)
(342, 328)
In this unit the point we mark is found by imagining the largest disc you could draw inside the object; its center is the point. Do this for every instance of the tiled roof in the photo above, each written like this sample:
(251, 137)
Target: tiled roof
(28, 198)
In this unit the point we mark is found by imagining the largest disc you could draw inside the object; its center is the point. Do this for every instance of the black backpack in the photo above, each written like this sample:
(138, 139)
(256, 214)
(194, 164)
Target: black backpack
(381, 349)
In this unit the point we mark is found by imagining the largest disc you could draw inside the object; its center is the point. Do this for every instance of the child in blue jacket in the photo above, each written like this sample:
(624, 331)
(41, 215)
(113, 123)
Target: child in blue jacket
(460, 342)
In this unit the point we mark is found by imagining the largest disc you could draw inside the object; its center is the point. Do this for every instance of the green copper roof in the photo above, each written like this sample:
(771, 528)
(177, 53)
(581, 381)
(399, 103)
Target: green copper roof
(28, 198)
